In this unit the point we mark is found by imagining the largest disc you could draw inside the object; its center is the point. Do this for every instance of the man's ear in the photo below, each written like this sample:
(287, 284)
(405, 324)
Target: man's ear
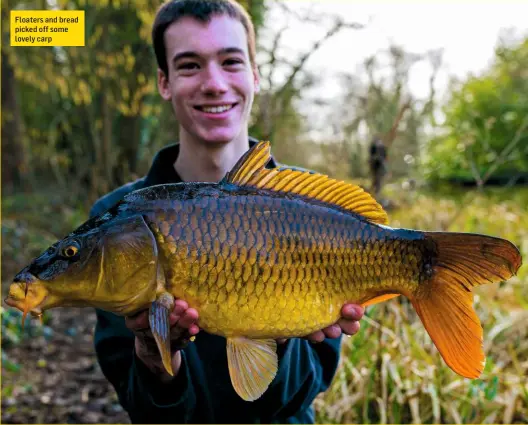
(256, 79)
(163, 85)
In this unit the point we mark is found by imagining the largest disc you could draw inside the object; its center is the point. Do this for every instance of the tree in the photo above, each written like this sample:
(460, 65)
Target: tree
(276, 116)
(485, 133)
(376, 102)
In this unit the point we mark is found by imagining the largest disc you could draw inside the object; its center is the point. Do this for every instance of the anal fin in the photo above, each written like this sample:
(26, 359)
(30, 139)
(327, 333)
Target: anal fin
(252, 365)
(159, 313)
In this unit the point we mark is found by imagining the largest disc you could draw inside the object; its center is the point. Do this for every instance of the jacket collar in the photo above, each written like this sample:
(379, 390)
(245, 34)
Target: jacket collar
(162, 170)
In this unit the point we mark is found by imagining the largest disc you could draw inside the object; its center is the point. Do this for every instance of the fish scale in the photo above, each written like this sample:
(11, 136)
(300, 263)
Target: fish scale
(221, 290)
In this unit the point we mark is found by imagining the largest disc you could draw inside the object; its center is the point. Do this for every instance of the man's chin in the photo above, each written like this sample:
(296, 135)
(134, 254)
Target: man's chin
(219, 139)
(218, 136)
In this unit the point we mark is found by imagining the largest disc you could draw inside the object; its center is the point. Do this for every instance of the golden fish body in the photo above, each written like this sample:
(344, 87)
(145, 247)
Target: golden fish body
(266, 254)
(264, 266)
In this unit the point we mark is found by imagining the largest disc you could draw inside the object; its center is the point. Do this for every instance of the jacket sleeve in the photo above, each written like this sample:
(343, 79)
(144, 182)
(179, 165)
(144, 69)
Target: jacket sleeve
(146, 399)
(140, 393)
(305, 370)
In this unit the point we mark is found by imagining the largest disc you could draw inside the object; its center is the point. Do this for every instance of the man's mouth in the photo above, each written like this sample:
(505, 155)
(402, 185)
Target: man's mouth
(217, 109)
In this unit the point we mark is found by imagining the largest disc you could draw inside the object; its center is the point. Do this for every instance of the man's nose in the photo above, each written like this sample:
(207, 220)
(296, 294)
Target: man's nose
(214, 80)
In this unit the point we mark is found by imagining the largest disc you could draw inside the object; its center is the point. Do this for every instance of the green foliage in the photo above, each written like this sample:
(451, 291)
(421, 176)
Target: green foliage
(486, 123)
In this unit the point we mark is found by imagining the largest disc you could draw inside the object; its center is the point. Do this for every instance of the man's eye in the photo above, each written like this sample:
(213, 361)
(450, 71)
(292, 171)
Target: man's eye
(233, 61)
(188, 66)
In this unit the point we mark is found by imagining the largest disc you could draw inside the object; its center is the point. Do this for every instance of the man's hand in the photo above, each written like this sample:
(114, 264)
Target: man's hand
(348, 324)
(183, 326)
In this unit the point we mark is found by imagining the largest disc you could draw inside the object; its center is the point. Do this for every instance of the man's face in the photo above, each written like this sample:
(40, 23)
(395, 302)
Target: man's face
(211, 81)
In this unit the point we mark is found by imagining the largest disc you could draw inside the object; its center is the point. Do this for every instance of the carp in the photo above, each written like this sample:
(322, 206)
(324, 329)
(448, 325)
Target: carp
(266, 253)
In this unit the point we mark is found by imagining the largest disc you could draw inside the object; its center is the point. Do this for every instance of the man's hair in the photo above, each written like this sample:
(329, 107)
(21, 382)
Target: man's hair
(203, 11)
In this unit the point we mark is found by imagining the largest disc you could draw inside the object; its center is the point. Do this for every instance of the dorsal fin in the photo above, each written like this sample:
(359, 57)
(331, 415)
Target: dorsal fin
(250, 171)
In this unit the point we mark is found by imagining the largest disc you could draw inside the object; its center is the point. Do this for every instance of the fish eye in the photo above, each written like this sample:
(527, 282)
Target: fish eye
(71, 249)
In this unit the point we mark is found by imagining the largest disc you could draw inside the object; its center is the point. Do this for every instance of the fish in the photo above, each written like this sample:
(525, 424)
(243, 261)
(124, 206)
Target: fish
(266, 254)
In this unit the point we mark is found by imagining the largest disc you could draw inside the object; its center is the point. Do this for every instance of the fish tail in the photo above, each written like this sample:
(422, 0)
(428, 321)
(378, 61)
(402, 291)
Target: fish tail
(444, 302)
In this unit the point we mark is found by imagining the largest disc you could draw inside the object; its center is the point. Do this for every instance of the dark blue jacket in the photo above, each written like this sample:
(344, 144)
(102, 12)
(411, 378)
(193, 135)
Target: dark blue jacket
(202, 391)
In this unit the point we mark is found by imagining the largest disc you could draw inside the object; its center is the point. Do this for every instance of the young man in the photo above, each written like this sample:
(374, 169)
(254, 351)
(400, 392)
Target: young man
(206, 57)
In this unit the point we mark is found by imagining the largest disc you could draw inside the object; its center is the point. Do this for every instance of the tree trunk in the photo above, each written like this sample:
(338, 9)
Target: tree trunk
(12, 147)
(129, 139)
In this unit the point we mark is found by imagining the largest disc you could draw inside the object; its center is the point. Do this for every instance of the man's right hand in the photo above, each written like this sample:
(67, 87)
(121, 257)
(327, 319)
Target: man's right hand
(183, 322)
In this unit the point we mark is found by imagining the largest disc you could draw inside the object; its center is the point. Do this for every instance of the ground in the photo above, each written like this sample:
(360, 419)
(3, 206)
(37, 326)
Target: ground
(57, 378)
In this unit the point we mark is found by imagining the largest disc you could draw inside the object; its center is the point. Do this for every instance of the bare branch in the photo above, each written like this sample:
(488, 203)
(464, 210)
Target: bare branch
(507, 150)
(474, 169)
(338, 25)
(314, 18)
(392, 133)
(273, 55)
(436, 59)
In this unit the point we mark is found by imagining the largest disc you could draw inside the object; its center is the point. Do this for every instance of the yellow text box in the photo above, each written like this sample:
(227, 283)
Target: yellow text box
(47, 28)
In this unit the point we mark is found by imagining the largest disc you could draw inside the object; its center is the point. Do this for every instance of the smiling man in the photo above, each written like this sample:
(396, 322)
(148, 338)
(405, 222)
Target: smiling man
(206, 68)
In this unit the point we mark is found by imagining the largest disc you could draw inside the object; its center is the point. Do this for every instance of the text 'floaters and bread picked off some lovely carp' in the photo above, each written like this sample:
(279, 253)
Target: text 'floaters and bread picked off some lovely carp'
(47, 28)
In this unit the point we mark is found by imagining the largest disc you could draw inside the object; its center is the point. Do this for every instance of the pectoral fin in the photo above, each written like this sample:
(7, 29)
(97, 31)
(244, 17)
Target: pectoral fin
(159, 313)
(252, 365)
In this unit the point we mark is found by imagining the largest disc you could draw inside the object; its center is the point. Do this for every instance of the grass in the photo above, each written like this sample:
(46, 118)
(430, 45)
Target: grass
(392, 373)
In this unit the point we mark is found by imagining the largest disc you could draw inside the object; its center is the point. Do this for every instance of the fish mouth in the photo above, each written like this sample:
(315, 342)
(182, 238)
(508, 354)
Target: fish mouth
(27, 295)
